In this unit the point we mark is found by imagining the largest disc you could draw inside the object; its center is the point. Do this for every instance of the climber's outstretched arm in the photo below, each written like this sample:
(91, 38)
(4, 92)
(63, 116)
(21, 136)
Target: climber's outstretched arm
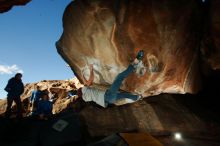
(91, 77)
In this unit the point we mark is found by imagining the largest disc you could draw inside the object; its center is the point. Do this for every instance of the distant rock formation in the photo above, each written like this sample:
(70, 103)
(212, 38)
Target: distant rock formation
(59, 87)
(106, 33)
(6, 5)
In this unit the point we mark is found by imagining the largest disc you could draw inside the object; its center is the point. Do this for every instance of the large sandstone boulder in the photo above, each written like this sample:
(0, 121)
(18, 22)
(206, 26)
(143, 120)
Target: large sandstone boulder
(106, 33)
(6, 5)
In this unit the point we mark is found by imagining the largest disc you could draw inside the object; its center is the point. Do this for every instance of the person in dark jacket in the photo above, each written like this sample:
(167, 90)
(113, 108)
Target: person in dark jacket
(45, 107)
(15, 88)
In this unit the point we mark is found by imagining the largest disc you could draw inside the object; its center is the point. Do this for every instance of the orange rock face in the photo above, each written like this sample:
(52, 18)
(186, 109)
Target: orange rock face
(6, 5)
(106, 33)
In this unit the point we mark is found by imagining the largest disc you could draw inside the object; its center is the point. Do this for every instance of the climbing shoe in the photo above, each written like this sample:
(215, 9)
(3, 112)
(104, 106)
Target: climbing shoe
(140, 55)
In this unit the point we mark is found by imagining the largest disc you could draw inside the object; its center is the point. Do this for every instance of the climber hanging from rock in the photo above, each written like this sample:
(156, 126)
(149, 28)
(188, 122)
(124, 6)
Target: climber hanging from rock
(111, 95)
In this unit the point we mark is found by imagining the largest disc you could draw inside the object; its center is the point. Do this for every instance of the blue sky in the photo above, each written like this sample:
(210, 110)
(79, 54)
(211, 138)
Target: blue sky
(27, 42)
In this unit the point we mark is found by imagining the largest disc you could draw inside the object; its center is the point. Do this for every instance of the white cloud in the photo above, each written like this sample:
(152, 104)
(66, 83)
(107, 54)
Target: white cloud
(5, 69)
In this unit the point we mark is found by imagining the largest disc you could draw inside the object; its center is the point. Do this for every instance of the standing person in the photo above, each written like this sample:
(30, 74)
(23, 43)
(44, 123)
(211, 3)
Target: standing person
(34, 99)
(111, 95)
(15, 88)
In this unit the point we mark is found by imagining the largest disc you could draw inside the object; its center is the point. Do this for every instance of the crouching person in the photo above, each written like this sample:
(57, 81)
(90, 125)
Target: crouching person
(45, 107)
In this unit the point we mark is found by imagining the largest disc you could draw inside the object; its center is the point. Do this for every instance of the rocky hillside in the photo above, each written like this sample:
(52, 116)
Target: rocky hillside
(59, 87)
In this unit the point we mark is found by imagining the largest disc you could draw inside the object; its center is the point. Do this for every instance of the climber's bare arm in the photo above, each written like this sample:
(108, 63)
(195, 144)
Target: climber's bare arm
(91, 77)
